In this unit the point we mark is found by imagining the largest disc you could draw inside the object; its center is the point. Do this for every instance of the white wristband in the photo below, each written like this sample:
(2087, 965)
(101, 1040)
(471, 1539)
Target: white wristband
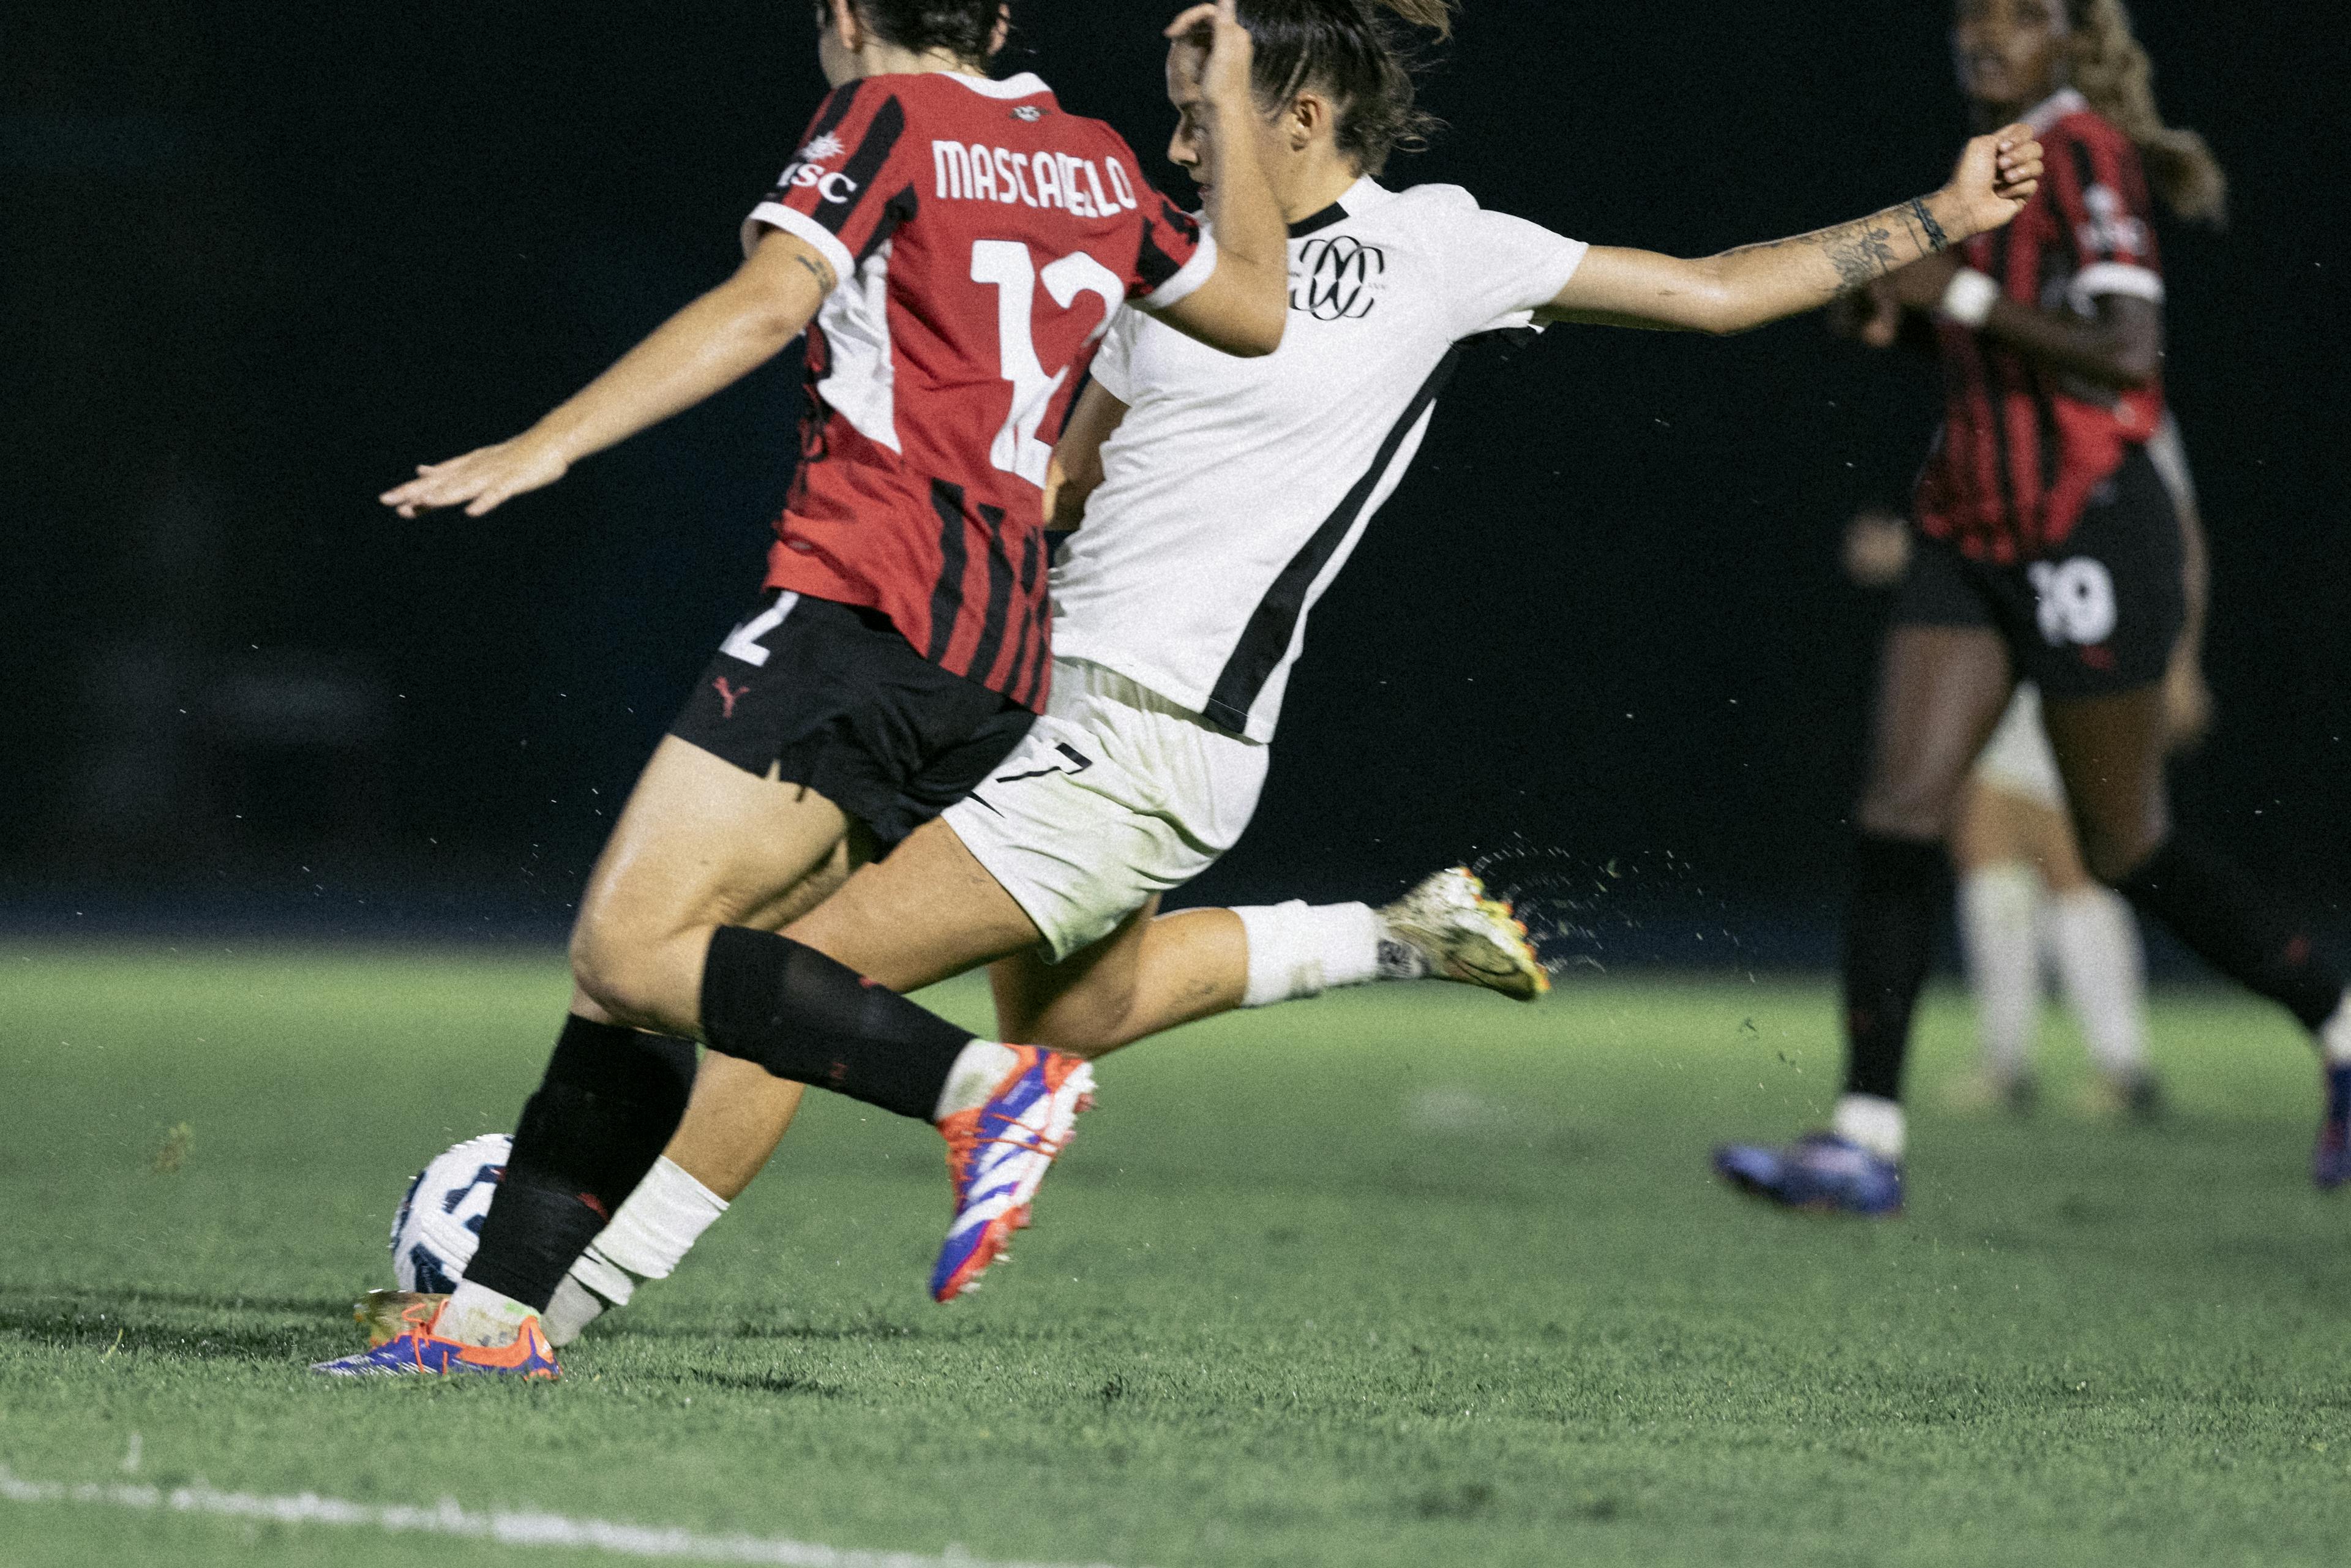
(1968, 299)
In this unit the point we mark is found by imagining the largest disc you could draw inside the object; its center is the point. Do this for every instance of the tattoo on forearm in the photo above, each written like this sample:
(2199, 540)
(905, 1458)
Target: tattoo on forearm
(819, 270)
(1860, 252)
(1936, 240)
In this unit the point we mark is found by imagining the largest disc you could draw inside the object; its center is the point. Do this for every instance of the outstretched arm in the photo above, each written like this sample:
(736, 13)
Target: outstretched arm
(1746, 287)
(711, 344)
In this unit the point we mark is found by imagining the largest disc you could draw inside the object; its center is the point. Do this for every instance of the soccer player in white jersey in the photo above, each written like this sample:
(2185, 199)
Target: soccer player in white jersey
(1218, 502)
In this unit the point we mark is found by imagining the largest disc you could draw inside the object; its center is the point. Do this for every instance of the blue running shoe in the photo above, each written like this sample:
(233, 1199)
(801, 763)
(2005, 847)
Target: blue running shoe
(421, 1353)
(1819, 1173)
(2330, 1162)
(997, 1155)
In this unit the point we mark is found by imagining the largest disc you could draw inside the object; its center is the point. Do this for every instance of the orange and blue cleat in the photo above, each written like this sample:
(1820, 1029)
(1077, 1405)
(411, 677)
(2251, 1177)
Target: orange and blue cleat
(998, 1153)
(418, 1351)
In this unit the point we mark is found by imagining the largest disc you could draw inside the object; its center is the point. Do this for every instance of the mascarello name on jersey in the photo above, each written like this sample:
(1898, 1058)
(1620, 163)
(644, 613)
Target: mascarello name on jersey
(981, 239)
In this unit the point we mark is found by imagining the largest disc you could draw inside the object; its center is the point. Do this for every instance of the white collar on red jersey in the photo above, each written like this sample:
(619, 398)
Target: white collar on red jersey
(2057, 107)
(1027, 84)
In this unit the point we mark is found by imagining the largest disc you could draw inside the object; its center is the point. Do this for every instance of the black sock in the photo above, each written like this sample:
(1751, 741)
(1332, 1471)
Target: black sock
(1899, 891)
(804, 1017)
(2227, 920)
(611, 1098)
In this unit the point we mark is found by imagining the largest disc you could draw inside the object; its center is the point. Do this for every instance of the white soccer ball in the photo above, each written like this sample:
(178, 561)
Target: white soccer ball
(440, 1219)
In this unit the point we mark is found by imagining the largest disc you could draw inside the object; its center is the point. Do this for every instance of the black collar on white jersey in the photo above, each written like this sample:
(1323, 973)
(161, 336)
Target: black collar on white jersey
(1359, 198)
(1336, 213)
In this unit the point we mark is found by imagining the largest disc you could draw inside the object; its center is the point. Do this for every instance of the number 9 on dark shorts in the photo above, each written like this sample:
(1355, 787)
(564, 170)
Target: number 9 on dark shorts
(2100, 614)
(830, 696)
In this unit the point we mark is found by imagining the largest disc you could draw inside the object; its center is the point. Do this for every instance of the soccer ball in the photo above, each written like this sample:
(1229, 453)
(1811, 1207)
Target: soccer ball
(440, 1219)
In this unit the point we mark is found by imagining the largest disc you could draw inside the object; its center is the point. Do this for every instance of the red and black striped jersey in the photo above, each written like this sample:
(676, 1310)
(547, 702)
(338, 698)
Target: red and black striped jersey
(982, 239)
(2022, 445)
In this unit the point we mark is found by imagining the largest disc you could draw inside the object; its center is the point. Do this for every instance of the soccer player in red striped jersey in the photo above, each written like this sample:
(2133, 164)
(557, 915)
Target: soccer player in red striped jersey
(955, 247)
(2053, 551)
(1034, 227)
(1184, 617)
(1148, 763)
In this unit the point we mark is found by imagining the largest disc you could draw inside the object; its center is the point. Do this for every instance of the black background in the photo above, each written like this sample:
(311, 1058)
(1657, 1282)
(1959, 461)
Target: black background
(257, 259)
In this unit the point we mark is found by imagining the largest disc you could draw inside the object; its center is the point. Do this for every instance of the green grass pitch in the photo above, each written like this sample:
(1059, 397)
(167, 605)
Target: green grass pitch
(1409, 1277)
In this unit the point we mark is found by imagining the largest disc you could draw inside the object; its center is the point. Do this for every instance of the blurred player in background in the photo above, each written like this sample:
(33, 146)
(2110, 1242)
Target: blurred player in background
(2026, 899)
(2051, 551)
(955, 247)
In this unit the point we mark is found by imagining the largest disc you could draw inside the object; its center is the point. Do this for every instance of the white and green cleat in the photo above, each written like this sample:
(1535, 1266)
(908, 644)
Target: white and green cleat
(1461, 934)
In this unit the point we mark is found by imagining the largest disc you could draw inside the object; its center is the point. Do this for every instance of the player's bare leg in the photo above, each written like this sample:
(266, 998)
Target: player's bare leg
(2111, 751)
(738, 1111)
(700, 843)
(1157, 972)
(932, 911)
(927, 913)
(1942, 692)
(1154, 973)
(821, 1003)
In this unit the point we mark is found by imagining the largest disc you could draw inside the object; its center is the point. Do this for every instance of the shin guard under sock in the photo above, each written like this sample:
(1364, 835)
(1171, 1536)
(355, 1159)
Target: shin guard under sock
(807, 1017)
(2227, 920)
(611, 1099)
(1889, 940)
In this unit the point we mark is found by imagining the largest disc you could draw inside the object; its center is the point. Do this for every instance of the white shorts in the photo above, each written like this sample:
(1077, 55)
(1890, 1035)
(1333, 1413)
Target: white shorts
(2017, 761)
(1116, 794)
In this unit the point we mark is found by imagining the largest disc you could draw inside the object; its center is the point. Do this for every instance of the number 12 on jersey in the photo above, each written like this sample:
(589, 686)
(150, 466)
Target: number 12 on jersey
(1008, 265)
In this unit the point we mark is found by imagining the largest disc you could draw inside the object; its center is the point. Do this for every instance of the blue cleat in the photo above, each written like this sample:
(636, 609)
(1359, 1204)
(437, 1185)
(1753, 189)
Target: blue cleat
(419, 1352)
(997, 1155)
(1819, 1174)
(2330, 1162)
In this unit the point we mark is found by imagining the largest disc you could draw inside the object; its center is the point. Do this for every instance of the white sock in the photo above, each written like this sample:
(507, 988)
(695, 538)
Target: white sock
(655, 1230)
(1296, 950)
(572, 1308)
(2334, 1035)
(475, 1314)
(1876, 1124)
(1996, 908)
(978, 1068)
(2104, 970)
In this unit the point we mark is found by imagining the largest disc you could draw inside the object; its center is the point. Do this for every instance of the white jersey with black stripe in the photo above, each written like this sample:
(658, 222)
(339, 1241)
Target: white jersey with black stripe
(1234, 490)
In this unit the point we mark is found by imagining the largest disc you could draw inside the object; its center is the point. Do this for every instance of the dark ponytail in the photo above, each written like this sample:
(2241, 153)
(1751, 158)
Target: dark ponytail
(1353, 53)
(963, 29)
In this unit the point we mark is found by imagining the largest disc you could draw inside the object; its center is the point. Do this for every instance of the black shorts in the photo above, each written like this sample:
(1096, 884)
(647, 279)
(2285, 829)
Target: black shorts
(2100, 616)
(830, 696)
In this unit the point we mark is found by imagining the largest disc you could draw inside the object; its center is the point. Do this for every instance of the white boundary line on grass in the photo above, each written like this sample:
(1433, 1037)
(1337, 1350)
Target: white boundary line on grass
(507, 1528)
